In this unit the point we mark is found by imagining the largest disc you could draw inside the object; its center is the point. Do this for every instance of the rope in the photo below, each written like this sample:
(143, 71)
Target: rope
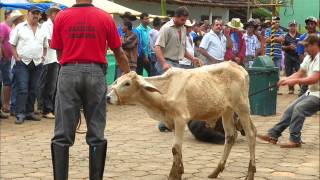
(262, 90)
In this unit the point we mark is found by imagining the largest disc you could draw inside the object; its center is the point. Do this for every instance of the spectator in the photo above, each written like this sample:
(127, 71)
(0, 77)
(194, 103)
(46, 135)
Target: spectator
(49, 74)
(214, 44)
(144, 30)
(5, 64)
(29, 55)
(311, 26)
(15, 19)
(252, 44)
(126, 17)
(275, 43)
(306, 105)
(170, 51)
(130, 45)
(195, 33)
(153, 36)
(238, 51)
(186, 63)
(81, 36)
(292, 62)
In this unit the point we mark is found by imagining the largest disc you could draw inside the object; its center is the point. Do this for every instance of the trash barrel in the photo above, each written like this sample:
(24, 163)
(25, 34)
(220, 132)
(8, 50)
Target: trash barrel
(263, 74)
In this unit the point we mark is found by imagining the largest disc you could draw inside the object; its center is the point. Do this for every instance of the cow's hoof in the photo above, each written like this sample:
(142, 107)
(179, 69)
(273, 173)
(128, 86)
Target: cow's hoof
(175, 176)
(216, 172)
(250, 176)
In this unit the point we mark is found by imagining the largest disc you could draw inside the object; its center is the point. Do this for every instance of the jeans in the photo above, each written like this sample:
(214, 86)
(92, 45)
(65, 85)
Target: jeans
(143, 65)
(48, 84)
(5, 66)
(80, 85)
(294, 117)
(27, 77)
(153, 60)
(13, 98)
(159, 68)
(291, 65)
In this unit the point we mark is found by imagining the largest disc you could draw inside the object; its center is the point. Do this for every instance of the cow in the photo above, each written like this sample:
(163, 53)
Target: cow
(180, 95)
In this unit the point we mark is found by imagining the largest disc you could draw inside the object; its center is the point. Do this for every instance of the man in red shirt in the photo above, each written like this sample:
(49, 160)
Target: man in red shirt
(81, 35)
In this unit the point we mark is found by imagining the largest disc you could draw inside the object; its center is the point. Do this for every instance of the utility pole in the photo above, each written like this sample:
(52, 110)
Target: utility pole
(163, 8)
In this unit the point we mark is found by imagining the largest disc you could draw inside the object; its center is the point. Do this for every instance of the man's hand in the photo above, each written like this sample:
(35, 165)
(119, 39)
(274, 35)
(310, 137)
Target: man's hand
(289, 82)
(165, 67)
(292, 47)
(238, 60)
(197, 62)
(17, 58)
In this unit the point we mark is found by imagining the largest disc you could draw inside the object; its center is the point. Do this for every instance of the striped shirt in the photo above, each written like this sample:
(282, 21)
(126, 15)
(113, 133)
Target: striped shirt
(252, 44)
(277, 48)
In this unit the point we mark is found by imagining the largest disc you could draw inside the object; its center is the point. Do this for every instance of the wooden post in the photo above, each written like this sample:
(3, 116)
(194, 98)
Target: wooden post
(210, 15)
(163, 8)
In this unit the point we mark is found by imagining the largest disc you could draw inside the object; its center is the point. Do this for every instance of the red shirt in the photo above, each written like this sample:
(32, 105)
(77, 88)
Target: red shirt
(83, 33)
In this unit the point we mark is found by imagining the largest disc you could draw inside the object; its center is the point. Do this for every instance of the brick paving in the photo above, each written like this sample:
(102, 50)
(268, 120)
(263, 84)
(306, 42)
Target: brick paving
(137, 150)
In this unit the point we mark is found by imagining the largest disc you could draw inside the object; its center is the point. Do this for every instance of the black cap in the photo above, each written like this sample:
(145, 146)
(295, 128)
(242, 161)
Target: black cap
(293, 22)
(129, 16)
(34, 9)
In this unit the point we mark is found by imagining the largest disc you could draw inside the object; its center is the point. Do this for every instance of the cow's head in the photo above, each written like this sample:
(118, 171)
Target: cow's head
(125, 90)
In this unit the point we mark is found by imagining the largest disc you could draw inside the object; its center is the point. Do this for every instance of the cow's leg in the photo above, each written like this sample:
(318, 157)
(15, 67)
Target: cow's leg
(250, 131)
(230, 134)
(177, 166)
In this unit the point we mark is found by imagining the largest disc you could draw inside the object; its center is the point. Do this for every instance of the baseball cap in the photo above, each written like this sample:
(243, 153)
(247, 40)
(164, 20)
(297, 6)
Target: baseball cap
(275, 18)
(34, 9)
(311, 18)
(293, 22)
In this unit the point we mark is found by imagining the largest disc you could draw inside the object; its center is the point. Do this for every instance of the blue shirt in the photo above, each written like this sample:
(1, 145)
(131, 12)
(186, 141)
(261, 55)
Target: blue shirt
(144, 34)
(277, 48)
(300, 47)
(135, 31)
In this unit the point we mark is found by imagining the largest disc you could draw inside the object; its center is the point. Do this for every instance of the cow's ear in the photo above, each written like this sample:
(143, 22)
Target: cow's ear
(151, 88)
(148, 86)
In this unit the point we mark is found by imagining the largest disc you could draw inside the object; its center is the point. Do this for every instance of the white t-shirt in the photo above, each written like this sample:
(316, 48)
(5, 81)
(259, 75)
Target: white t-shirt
(312, 66)
(29, 45)
(190, 50)
(215, 46)
(51, 54)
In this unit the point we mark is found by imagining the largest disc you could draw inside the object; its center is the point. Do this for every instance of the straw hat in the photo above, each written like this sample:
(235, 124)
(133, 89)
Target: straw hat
(54, 8)
(189, 24)
(236, 24)
(16, 14)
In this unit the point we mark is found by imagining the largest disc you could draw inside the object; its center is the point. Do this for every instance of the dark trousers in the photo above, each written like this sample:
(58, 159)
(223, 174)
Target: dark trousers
(294, 117)
(292, 65)
(48, 84)
(80, 85)
(27, 77)
(141, 64)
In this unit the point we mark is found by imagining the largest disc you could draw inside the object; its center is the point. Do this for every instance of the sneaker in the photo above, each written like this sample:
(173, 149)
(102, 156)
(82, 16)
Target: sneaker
(49, 116)
(33, 117)
(3, 116)
(19, 120)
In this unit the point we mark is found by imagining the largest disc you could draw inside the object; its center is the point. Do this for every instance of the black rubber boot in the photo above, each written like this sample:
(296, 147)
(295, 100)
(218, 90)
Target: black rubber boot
(97, 158)
(60, 161)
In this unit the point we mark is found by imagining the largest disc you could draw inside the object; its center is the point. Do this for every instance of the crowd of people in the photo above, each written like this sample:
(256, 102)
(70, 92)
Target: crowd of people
(71, 68)
(29, 67)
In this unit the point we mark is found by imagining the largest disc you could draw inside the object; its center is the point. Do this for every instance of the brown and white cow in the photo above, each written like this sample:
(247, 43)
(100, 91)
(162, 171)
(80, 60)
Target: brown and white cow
(204, 93)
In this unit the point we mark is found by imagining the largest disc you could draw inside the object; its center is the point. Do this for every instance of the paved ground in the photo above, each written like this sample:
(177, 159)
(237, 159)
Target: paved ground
(137, 150)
